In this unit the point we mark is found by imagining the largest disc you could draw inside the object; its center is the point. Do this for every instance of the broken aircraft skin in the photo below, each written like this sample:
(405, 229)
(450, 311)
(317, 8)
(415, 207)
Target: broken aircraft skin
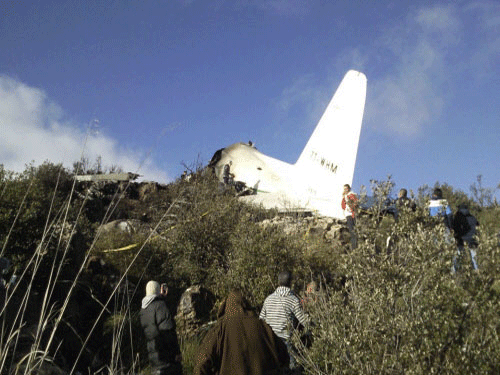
(327, 162)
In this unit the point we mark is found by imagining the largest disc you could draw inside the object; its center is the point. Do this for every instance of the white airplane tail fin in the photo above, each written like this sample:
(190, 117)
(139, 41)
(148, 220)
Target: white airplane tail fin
(328, 159)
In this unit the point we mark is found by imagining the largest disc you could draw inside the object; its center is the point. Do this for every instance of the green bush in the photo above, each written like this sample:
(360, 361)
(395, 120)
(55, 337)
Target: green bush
(403, 311)
(257, 256)
(390, 306)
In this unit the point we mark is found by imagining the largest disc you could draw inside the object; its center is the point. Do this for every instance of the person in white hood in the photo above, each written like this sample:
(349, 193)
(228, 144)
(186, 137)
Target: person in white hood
(159, 329)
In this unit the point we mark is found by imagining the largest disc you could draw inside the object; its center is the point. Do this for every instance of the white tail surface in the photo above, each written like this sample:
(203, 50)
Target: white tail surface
(329, 157)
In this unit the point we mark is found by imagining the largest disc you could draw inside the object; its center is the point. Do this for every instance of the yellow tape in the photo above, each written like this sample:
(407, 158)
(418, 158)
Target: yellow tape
(122, 248)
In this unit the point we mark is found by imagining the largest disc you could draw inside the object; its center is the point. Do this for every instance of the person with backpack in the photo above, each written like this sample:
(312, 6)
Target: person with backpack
(464, 227)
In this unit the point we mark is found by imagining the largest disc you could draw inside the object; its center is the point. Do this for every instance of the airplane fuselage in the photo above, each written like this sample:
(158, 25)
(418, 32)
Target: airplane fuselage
(327, 162)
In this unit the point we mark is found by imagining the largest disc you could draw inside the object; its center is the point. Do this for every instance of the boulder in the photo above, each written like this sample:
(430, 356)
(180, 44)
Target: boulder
(124, 226)
(194, 309)
(335, 232)
(316, 226)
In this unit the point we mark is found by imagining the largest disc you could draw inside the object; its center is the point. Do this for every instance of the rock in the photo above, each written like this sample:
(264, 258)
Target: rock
(319, 227)
(124, 226)
(194, 309)
(334, 232)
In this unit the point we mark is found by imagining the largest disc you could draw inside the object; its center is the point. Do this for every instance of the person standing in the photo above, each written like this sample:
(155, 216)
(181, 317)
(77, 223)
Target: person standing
(311, 295)
(281, 310)
(159, 328)
(439, 207)
(227, 176)
(403, 203)
(465, 230)
(349, 206)
(240, 343)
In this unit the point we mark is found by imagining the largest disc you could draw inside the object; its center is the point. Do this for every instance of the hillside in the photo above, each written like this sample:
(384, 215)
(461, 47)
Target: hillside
(83, 251)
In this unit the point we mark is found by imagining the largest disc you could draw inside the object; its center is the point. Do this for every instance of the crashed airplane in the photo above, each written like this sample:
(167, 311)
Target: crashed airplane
(315, 182)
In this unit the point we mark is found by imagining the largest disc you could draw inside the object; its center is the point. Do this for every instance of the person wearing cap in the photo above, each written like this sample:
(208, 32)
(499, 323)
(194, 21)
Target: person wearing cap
(159, 329)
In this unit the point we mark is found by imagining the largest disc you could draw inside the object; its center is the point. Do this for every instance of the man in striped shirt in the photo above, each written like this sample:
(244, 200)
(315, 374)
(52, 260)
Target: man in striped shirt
(281, 310)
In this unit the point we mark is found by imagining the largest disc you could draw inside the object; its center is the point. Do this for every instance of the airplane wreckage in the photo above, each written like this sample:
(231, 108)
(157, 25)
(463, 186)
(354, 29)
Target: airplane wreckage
(315, 182)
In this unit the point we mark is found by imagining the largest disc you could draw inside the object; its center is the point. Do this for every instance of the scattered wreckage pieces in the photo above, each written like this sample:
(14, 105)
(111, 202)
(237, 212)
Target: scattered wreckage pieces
(128, 176)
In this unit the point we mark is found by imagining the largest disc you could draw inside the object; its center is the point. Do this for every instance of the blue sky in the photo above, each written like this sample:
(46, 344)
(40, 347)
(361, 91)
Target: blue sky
(152, 85)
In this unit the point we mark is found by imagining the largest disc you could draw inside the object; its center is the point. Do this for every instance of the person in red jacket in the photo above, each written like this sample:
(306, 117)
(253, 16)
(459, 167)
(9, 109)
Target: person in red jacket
(350, 205)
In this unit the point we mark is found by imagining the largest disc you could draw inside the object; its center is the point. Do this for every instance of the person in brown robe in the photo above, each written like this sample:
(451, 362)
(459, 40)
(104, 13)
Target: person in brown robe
(240, 343)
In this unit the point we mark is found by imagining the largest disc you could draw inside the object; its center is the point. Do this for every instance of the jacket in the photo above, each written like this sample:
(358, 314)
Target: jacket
(159, 329)
(349, 204)
(441, 209)
(464, 226)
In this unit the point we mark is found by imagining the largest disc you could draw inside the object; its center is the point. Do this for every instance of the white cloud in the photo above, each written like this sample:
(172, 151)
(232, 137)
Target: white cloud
(439, 19)
(404, 104)
(34, 129)
(485, 58)
(303, 102)
(428, 56)
(488, 11)
(410, 97)
(300, 91)
(353, 58)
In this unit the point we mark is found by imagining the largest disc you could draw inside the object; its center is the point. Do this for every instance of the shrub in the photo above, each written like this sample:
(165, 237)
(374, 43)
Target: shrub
(403, 311)
(390, 306)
